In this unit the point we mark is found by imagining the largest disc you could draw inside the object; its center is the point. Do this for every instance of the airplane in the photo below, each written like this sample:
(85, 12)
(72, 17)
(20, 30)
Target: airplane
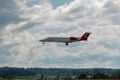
(66, 40)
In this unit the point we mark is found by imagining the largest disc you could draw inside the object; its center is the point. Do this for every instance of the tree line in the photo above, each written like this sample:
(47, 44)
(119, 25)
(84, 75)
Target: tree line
(11, 72)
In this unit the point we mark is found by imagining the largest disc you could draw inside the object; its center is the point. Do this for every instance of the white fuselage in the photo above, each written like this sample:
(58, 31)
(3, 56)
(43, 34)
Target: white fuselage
(58, 39)
(66, 39)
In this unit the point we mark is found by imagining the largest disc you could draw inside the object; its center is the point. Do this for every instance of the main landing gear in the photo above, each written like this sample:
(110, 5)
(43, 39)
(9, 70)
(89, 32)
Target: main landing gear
(66, 43)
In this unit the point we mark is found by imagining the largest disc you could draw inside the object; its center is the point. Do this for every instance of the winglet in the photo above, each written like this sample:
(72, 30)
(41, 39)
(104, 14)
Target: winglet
(85, 36)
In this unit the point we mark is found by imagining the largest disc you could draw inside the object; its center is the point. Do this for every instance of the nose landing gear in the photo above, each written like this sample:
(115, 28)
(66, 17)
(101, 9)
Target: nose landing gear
(43, 43)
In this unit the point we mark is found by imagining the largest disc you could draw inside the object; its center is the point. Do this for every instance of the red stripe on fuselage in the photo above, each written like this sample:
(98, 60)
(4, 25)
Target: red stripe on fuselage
(73, 38)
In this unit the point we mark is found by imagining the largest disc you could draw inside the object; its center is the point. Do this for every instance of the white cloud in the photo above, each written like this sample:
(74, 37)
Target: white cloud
(116, 2)
(41, 20)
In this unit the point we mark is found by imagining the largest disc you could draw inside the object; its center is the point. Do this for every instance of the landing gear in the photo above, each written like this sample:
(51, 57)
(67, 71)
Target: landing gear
(66, 43)
(43, 43)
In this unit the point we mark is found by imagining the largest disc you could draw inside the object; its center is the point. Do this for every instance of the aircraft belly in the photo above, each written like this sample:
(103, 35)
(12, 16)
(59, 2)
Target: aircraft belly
(58, 40)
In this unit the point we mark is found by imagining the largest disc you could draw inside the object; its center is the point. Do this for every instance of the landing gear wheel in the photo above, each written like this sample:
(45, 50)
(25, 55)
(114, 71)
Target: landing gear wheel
(66, 43)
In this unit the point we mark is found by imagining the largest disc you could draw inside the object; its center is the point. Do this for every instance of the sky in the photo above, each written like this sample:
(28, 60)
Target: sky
(24, 22)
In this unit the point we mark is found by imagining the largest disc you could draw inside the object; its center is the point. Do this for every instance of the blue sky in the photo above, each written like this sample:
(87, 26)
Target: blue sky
(57, 3)
(24, 22)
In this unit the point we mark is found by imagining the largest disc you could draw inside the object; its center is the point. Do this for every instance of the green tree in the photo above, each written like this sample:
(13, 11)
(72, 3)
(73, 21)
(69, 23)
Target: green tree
(68, 77)
(82, 76)
(100, 76)
(57, 77)
(116, 75)
(42, 77)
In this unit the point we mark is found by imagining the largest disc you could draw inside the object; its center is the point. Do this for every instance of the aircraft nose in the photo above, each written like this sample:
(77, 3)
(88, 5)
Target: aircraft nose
(40, 40)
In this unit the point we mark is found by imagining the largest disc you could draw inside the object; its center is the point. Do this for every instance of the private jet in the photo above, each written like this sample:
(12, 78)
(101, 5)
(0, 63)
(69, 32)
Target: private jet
(66, 40)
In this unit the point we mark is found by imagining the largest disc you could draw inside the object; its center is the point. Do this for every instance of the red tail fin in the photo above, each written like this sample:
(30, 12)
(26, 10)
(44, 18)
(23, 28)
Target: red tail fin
(85, 36)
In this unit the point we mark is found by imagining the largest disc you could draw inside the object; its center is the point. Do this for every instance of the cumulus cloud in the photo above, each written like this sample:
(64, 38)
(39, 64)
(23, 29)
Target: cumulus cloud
(24, 22)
